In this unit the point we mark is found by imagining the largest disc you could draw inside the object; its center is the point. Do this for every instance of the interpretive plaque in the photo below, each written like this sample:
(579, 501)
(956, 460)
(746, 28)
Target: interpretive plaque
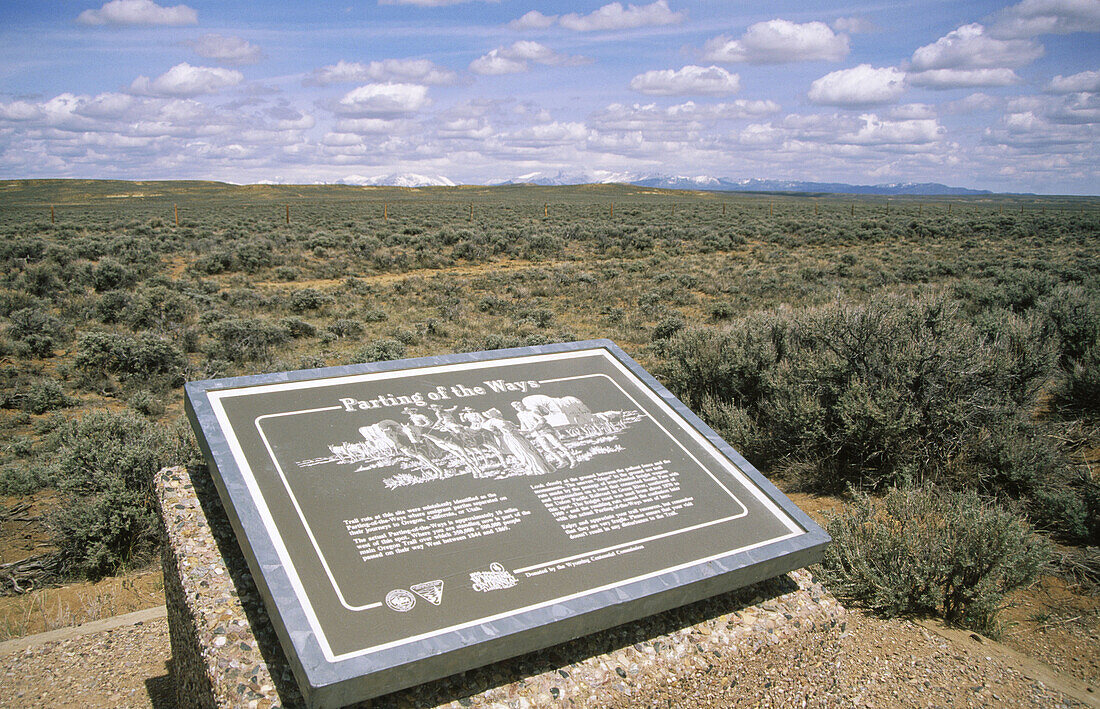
(409, 520)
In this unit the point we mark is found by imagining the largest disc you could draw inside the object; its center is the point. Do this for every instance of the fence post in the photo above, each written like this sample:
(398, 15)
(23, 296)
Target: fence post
(176, 209)
(288, 214)
(545, 210)
(51, 214)
(385, 211)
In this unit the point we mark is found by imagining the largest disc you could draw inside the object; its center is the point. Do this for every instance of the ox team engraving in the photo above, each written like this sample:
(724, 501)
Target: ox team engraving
(530, 486)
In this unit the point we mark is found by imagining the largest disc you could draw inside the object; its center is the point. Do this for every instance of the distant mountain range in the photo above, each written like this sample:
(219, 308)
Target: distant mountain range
(721, 184)
(400, 179)
(700, 182)
(725, 184)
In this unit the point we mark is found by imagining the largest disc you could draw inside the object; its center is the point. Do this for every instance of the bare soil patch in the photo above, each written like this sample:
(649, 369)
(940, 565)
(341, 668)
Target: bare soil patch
(73, 604)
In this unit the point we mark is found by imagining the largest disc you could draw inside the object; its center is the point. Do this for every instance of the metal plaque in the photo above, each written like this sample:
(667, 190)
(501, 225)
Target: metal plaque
(408, 520)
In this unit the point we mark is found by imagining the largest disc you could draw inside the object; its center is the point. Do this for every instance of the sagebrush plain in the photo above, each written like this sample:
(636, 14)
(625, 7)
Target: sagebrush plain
(947, 348)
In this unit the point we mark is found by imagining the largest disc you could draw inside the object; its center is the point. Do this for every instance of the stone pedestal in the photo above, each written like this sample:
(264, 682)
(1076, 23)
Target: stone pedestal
(225, 652)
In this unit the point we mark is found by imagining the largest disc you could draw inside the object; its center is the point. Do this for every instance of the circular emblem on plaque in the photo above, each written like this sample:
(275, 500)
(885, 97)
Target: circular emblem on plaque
(400, 600)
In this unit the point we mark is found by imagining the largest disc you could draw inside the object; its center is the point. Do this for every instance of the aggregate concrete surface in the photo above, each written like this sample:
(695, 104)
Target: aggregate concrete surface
(864, 662)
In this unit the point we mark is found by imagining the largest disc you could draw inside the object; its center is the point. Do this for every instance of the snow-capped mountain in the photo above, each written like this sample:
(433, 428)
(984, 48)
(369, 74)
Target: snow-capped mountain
(725, 184)
(585, 177)
(398, 179)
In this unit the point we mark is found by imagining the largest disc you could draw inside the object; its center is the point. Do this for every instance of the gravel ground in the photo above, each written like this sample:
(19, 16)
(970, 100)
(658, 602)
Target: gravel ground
(124, 667)
(867, 662)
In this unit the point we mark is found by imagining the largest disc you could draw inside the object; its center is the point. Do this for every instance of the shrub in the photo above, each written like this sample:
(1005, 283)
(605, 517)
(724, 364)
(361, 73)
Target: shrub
(36, 332)
(927, 552)
(212, 263)
(158, 308)
(307, 299)
(106, 463)
(1074, 319)
(296, 327)
(1016, 459)
(111, 306)
(668, 327)
(255, 256)
(345, 327)
(143, 356)
(109, 275)
(1080, 385)
(375, 315)
(243, 339)
(286, 273)
(875, 394)
(145, 402)
(380, 351)
(41, 280)
(21, 479)
(721, 311)
(42, 396)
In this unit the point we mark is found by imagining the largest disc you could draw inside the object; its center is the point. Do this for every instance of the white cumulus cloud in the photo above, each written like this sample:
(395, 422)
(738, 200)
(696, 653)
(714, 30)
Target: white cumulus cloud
(515, 58)
(430, 3)
(555, 133)
(970, 47)
(389, 99)
(963, 78)
(969, 57)
(495, 63)
(20, 111)
(1084, 81)
(614, 16)
(1035, 17)
(533, 20)
(227, 50)
(777, 42)
(875, 131)
(138, 12)
(974, 103)
(418, 71)
(690, 80)
(184, 80)
(863, 85)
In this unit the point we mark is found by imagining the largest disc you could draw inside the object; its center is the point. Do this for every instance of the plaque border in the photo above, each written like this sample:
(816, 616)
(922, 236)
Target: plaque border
(328, 680)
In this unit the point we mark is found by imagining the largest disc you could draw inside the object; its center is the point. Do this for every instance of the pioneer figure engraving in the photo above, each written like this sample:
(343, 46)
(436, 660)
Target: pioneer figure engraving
(434, 442)
(524, 453)
(535, 424)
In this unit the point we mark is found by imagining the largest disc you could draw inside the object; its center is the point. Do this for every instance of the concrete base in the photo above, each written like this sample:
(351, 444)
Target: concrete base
(225, 652)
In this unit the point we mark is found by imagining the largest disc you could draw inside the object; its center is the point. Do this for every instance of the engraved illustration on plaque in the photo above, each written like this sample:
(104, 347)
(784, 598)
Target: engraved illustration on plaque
(430, 591)
(547, 434)
(400, 600)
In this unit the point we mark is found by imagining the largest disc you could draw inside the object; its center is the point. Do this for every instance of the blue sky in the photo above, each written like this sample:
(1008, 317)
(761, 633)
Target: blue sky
(994, 95)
